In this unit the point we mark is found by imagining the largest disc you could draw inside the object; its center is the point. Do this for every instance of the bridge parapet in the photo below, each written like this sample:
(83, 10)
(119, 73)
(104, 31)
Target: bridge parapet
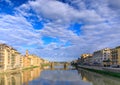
(64, 64)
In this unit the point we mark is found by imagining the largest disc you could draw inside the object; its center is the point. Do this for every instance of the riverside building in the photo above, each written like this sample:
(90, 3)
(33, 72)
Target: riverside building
(115, 54)
(85, 59)
(101, 56)
(9, 57)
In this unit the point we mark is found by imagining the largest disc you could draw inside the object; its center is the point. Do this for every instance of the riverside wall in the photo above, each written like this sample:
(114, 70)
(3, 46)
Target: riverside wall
(107, 69)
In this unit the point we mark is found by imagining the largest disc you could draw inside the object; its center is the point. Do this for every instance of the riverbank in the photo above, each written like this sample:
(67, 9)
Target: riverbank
(102, 70)
(17, 70)
(22, 69)
(30, 67)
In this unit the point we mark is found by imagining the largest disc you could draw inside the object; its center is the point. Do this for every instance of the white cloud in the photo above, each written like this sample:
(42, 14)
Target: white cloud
(100, 27)
(17, 31)
(59, 12)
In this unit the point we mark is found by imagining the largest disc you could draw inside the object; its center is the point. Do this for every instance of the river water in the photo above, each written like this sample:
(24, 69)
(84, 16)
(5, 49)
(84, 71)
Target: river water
(57, 76)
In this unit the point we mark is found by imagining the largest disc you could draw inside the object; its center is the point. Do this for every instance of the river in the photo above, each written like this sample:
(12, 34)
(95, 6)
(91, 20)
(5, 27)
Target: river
(57, 76)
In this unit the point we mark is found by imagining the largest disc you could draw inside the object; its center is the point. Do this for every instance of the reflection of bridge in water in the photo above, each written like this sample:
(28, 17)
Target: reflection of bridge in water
(64, 65)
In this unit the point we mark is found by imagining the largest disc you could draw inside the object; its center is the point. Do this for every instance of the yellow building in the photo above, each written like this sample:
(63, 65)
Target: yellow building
(115, 54)
(8, 57)
(17, 59)
(86, 58)
(34, 60)
(26, 60)
(31, 60)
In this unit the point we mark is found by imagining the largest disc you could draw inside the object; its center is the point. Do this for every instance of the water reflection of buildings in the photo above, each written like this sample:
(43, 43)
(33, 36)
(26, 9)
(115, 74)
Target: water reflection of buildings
(20, 78)
(60, 77)
(30, 75)
(97, 79)
(11, 79)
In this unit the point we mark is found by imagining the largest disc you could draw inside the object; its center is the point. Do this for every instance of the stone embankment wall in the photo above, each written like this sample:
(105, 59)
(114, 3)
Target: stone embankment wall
(110, 69)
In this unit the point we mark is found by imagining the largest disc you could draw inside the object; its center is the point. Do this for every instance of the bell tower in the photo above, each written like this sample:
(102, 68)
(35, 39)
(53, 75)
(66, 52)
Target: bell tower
(27, 53)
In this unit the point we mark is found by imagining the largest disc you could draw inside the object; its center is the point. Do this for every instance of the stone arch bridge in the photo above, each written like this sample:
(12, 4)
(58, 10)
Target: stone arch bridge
(64, 64)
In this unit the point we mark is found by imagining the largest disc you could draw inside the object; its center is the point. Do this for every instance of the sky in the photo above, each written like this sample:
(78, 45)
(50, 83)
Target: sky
(60, 30)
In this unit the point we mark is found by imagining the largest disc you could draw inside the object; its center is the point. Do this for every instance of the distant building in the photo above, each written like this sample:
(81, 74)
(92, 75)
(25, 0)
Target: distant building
(31, 60)
(85, 59)
(79, 61)
(100, 56)
(115, 54)
(26, 60)
(88, 59)
(34, 60)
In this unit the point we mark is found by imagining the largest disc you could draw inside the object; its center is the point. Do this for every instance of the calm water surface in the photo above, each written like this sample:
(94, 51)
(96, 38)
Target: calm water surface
(57, 76)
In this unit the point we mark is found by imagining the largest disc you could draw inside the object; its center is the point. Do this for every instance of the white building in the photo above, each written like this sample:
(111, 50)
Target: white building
(101, 55)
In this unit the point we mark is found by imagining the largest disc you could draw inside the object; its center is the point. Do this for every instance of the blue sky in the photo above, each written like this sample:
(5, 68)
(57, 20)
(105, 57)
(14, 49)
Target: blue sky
(60, 30)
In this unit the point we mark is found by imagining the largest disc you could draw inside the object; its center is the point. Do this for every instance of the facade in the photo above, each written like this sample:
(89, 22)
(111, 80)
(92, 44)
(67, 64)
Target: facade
(45, 61)
(100, 56)
(17, 60)
(115, 54)
(85, 59)
(21, 62)
(26, 60)
(34, 60)
(79, 61)
(88, 59)
(103, 57)
(11, 59)
(31, 60)
(8, 57)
